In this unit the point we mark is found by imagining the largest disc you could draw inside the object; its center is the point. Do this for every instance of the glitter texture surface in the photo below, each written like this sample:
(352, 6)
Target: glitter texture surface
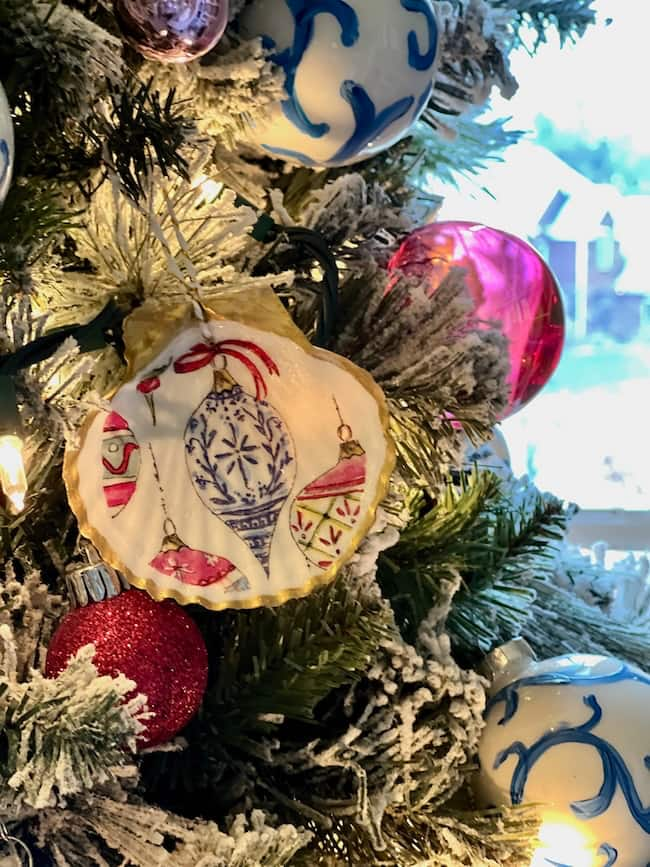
(155, 644)
(509, 283)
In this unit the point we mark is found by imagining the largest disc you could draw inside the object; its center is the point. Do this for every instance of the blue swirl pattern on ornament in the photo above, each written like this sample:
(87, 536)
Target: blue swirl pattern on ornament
(5, 156)
(368, 125)
(289, 154)
(241, 460)
(608, 851)
(304, 12)
(422, 60)
(615, 771)
(576, 674)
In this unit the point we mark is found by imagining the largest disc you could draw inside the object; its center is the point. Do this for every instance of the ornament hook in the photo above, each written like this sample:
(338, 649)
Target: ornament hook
(344, 431)
(6, 837)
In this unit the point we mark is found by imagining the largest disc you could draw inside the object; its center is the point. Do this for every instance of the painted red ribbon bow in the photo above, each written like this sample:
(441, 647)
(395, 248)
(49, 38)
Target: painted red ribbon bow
(203, 354)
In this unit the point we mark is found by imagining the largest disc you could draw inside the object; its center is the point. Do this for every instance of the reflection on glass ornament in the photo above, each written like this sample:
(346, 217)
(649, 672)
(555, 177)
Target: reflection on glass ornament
(172, 31)
(570, 734)
(564, 844)
(358, 74)
(6, 145)
(508, 282)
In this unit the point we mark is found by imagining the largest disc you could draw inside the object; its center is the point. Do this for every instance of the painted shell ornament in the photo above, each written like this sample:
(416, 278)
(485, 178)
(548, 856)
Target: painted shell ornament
(240, 434)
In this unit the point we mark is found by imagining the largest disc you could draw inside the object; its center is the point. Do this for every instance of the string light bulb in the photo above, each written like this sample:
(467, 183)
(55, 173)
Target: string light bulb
(13, 479)
(563, 844)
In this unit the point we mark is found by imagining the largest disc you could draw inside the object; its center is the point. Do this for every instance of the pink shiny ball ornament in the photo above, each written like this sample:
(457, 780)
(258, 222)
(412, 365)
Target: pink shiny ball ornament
(172, 31)
(509, 282)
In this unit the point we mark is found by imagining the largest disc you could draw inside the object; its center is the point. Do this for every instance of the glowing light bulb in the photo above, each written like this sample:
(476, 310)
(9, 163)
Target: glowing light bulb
(12, 472)
(563, 844)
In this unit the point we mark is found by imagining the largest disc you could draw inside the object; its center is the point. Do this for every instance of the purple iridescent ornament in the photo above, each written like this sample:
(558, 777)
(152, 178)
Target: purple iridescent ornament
(172, 31)
(509, 283)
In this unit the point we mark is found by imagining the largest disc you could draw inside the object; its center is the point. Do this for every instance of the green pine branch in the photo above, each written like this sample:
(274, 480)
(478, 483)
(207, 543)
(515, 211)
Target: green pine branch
(284, 661)
(33, 216)
(569, 17)
(61, 736)
(140, 132)
(498, 589)
(429, 837)
(562, 623)
(439, 543)
(467, 153)
(496, 547)
(426, 441)
(271, 670)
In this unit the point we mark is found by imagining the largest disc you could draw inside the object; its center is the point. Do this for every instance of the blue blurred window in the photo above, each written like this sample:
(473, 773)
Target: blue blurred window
(578, 187)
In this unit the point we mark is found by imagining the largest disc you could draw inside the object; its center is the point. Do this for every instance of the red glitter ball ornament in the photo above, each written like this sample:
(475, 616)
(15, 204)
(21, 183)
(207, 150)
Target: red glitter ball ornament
(155, 644)
(509, 282)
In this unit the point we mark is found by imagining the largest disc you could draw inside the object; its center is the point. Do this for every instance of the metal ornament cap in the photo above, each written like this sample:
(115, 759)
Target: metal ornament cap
(94, 581)
(506, 662)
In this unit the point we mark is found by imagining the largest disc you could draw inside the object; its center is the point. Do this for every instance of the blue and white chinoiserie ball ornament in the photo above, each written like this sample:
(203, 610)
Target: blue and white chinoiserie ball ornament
(358, 74)
(492, 456)
(571, 734)
(6, 145)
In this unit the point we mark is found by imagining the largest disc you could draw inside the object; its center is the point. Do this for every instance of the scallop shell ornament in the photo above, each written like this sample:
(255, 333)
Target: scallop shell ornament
(237, 422)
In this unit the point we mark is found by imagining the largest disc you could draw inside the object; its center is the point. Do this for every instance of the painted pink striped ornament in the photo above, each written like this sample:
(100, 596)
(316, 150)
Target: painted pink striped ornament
(120, 462)
(193, 567)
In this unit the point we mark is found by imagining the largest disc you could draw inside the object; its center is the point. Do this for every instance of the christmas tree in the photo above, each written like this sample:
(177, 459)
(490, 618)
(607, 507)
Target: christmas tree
(269, 408)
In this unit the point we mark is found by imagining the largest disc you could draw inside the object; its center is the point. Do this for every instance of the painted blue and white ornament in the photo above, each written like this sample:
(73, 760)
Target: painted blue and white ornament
(358, 74)
(6, 145)
(571, 734)
(492, 456)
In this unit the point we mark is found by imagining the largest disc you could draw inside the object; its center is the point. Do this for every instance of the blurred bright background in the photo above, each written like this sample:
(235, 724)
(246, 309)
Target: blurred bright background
(578, 187)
